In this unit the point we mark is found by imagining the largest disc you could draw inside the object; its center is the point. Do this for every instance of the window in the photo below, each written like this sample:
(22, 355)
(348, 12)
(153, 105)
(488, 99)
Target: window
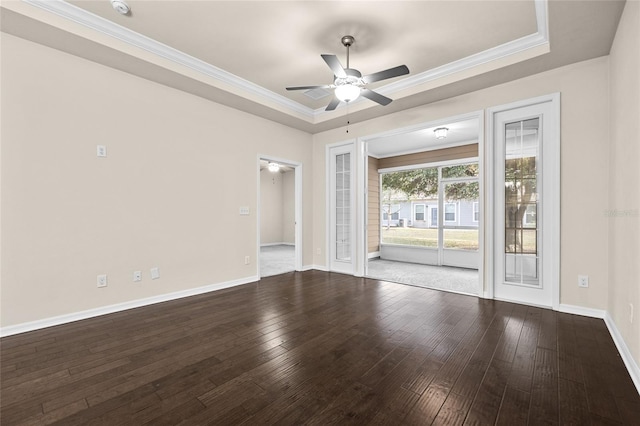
(460, 171)
(395, 212)
(418, 212)
(529, 219)
(476, 211)
(450, 212)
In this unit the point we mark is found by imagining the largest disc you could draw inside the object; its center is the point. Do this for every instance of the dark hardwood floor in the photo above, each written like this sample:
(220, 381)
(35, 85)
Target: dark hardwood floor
(320, 348)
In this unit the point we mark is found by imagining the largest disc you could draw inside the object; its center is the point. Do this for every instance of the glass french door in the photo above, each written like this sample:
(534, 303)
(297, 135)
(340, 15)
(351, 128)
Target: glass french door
(341, 209)
(526, 207)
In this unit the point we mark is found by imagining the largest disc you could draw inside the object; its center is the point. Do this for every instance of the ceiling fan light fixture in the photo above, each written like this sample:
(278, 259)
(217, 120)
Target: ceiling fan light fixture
(347, 92)
(441, 132)
(273, 167)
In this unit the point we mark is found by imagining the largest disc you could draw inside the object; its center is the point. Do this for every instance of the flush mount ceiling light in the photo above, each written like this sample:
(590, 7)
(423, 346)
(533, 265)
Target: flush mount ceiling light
(273, 167)
(441, 132)
(121, 7)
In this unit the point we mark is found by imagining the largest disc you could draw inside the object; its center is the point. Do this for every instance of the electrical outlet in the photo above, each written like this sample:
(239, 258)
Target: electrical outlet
(137, 276)
(246, 260)
(583, 281)
(631, 313)
(102, 280)
(101, 151)
(155, 273)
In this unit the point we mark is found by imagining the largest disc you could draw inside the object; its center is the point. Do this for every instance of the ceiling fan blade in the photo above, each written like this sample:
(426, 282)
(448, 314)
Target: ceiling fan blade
(383, 75)
(375, 97)
(335, 65)
(333, 104)
(326, 86)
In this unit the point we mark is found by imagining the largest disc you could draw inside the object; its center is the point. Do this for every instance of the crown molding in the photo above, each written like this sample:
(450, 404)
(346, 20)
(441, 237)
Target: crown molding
(116, 31)
(132, 38)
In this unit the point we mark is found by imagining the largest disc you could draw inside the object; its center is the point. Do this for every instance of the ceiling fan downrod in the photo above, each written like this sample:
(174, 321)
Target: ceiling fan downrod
(347, 41)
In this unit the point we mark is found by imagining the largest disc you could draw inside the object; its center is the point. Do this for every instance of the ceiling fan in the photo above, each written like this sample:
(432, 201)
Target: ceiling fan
(349, 83)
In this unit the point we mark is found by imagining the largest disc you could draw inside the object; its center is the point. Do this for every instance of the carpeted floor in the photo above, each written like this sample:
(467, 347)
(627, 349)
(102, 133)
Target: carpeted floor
(460, 280)
(276, 260)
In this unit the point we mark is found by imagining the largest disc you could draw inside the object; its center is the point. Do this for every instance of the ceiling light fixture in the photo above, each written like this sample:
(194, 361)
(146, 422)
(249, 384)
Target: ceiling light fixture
(121, 7)
(347, 92)
(441, 132)
(274, 167)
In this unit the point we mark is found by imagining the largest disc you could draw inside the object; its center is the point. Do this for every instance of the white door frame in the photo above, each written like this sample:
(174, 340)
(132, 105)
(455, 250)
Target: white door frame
(332, 265)
(551, 248)
(362, 164)
(297, 167)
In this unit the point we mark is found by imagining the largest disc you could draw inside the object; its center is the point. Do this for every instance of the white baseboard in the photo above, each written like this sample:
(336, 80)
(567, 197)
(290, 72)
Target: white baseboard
(277, 244)
(317, 267)
(623, 349)
(625, 353)
(373, 254)
(90, 313)
(580, 310)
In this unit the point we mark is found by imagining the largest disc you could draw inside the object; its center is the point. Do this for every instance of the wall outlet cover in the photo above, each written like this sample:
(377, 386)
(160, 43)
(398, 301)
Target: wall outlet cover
(155, 273)
(102, 280)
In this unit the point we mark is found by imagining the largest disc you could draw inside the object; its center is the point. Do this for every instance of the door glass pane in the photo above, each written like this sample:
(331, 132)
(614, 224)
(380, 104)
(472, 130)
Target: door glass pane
(406, 200)
(460, 171)
(343, 207)
(460, 207)
(522, 162)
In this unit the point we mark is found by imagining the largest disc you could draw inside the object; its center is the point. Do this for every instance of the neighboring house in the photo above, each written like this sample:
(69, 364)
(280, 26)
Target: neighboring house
(423, 213)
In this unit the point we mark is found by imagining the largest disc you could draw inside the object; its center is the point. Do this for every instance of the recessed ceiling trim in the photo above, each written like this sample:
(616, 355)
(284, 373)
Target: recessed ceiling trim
(123, 34)
(505, 50)
(106, 27)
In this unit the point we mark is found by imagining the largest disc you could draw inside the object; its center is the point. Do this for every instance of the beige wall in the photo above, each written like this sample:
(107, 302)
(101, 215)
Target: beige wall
(168, 194)
(271, 210)
(289, 207)
(277, 207)
(623, 210)
(584, 164)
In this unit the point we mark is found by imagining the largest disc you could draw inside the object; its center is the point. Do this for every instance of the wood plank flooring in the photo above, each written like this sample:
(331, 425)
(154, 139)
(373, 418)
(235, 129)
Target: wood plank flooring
(320, 348)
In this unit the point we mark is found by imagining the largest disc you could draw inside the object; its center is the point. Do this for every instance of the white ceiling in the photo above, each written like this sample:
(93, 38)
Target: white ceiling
(244, 53)
(461, 132)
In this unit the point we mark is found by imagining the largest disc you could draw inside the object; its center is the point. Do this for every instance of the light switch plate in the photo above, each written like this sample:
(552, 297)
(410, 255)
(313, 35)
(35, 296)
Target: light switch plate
(244, 211)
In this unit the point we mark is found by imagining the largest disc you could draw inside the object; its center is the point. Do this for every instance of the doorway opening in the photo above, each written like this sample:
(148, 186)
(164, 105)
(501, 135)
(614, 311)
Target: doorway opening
(425, 206)
(278, 219)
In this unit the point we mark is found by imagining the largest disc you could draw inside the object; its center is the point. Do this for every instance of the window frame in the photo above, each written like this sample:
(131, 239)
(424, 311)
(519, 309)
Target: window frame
(455, 212)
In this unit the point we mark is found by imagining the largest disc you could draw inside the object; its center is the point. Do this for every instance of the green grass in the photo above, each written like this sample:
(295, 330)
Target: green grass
(464, 239)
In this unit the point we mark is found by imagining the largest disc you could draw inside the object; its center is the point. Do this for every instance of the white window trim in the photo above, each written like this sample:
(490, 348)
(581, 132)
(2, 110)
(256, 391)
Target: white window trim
(424, 212)
(474, 209)
(455, 212)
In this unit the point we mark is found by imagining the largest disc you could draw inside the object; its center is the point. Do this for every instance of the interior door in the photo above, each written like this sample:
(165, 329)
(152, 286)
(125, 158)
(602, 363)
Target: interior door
(341, 209)
(526, 208)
